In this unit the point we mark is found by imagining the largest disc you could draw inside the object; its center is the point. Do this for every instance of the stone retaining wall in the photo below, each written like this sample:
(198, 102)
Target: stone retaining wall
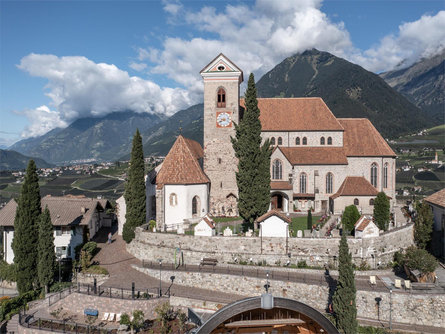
(149, 245)
(421, 309)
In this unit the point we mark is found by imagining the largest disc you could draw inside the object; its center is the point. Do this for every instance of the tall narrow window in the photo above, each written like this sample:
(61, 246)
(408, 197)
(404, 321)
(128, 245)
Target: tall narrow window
(277, 170)
(280, 141)
(322, 141)
(303, 180)
(173, 199)
(374, 175)
(272, 141)
(385, 176)
(356, 202)
(329, 178)
(329, 140)
(196, 203)
(221, 98)
(297, 141)
(304, 141)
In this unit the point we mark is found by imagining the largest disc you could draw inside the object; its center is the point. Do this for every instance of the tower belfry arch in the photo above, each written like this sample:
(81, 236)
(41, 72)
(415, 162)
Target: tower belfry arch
(222, 79)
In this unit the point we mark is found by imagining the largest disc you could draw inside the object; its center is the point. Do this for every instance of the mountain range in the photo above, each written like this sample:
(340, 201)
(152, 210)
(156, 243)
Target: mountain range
(423, 83)
(348, 90)
(12, 160)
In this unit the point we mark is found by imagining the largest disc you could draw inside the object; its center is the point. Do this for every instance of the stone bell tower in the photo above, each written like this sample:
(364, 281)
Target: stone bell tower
(222, 79)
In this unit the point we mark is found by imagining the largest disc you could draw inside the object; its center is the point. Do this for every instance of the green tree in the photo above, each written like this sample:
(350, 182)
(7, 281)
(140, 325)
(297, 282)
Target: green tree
(309, 219)
(135, 322)
(349, 218)
(46, 264)
(253, 176)
(423, 225)
(135, 190)
(344, 296)
(25, 239)
(419, 259)
(381, 211)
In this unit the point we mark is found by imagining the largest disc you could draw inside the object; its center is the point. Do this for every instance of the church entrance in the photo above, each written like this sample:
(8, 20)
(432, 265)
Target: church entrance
(276, 202)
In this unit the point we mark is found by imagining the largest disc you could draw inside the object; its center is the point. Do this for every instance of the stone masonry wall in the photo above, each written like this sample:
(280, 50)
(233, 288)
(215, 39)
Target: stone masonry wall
(148, 246)
(423, 309)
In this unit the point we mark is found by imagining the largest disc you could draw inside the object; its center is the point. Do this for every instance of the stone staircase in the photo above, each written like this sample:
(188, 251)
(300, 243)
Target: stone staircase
(13, 325)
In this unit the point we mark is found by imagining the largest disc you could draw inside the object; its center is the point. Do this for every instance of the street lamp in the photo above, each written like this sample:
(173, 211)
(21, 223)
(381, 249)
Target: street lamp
(59, 257)
(390, 309)
(160, 275)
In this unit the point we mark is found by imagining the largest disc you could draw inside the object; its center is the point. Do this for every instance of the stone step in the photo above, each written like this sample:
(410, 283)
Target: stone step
(13, 325)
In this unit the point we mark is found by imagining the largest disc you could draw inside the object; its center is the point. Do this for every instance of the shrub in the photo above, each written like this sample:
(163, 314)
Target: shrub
(97, 270)
(90, 247)
(420, 259)
(59, 286)
(152, 224)
(302, 264)
(8, 271)
(12, 306)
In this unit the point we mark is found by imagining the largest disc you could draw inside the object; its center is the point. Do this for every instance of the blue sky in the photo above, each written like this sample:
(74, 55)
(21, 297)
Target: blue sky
(61, 60)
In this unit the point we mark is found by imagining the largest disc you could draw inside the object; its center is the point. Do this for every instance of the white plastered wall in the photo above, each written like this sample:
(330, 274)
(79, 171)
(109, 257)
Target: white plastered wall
(175, 214)
(8, 253)
(70, 239)
(121, 208)
(274, 227)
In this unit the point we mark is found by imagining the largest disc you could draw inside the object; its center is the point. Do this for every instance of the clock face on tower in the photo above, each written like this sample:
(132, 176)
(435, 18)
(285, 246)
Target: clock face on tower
(224, 119)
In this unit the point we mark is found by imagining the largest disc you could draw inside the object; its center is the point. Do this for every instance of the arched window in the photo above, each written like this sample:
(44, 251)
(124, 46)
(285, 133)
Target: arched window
(272, 141)
(329, 178)
(356, 201)
(303, 180)
(371, 201)
(329, 140)
(304, 141)
(297, 141)
(280, 141)
(374, 174)
(173, 199)
(322, 141)
(277, 170)
(385, 176)
(221, 98)
(196, 205)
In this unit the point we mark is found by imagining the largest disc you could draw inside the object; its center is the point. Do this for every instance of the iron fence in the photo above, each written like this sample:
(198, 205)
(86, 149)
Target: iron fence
(61, 326)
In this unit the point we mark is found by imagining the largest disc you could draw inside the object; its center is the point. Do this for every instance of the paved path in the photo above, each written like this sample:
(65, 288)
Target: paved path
(115, 258)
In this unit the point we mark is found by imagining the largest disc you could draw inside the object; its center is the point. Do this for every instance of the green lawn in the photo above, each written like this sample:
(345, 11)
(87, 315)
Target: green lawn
(226, 219)
(300, 223)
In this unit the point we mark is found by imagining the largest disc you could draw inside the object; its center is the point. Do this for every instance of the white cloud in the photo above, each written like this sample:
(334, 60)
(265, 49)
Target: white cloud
(78, 87)
(138, 66)
(256, 38)
(42, 120)
(422, 38)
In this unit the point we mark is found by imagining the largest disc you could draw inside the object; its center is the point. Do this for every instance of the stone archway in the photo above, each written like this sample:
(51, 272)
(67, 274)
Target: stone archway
(279, 201)
(286, 315)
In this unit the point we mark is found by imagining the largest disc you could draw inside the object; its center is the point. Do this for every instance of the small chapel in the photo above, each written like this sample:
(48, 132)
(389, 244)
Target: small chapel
(319, 162)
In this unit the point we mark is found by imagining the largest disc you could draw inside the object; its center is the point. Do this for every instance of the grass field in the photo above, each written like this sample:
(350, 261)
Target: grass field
(300, 223)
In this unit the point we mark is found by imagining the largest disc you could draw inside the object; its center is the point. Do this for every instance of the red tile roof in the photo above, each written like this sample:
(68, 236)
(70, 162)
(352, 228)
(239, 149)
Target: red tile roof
(296, 114)
(355, 186)
(361, 139)
(181, 165)
(362, 223)
(437, 198)
(64, 210)
(315, 155)
(280, 185)
(209, 221)
(273, 213)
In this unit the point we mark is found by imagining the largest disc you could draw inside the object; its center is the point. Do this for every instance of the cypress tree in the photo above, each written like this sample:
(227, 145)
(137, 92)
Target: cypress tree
(46, 265)
(349, 218)
(135, 190)
(423, 225)
(344, 296)
(381, 211)
(309, 219)
(26, 231)
(253, 176)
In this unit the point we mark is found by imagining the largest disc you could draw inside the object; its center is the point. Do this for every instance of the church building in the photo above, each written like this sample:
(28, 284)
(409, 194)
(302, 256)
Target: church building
(319, 162)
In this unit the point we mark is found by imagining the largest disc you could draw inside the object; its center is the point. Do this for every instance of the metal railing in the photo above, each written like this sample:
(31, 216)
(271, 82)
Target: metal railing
(119, 293)
(298, 277)
(61, 326)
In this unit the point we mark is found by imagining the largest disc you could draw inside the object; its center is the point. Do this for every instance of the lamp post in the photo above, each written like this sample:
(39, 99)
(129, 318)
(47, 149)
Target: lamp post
(390, 309)
(59, 257)
(160, 275)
